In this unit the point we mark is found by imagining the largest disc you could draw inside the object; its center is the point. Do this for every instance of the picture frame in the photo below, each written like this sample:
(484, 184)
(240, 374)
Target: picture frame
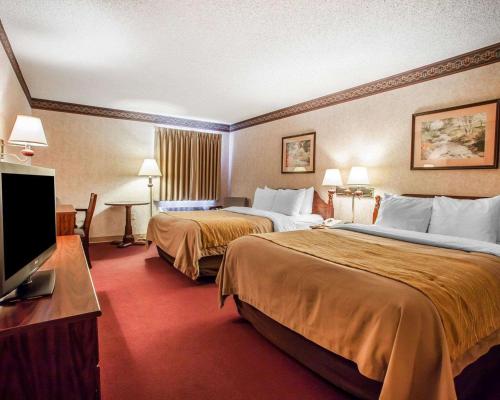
(298, 153)
(461, 137)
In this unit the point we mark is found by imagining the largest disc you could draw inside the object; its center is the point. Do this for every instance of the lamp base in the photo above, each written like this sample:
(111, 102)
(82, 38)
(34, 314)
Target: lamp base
(354, 192)
(3, 154)
(150, 186)
(331, 208)
(27, 152)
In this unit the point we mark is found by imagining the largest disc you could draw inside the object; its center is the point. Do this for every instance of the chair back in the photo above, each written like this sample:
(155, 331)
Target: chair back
(89, 214)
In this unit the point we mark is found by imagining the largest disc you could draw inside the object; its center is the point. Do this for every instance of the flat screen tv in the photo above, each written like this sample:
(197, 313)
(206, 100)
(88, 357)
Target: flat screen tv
(27, 230)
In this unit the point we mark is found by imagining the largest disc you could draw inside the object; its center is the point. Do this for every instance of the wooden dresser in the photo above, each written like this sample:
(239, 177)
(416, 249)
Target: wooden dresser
(66, 219)
(49, 346)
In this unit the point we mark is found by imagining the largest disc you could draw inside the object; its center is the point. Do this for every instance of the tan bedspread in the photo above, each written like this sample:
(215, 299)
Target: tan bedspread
(412, 316)
(187, 236)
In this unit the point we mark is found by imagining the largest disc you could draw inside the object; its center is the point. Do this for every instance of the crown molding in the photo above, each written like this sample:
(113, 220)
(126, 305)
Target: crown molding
(61, 106)
(13, 61)
(474, 59)
(51, 105)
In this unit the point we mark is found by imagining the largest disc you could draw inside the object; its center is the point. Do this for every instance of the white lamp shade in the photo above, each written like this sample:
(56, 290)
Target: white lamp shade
(28, 131)
(332, 178)
(149, 168)
(358, 176)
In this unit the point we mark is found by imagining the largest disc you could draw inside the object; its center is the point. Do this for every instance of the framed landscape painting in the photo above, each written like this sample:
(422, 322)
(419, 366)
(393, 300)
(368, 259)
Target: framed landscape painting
(456, 138)
(298, 153)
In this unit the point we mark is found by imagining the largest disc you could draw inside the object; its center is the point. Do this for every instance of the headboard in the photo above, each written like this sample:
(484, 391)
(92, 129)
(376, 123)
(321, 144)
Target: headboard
(378, 200)
(321, 207)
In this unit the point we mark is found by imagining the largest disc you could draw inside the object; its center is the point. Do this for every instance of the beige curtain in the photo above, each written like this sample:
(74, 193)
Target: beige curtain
(190, 164)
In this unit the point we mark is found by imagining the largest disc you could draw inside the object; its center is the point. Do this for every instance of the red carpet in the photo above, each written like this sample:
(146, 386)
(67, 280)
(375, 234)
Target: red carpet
(163, 336)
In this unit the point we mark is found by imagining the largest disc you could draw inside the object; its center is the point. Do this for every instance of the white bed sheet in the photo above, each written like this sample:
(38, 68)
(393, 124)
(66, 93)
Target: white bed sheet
(305, 221)
(281, 222)
(429, 239)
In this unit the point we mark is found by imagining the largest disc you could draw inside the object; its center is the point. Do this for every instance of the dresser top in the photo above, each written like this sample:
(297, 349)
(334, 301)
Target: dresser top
(65, 209)
(74, 295)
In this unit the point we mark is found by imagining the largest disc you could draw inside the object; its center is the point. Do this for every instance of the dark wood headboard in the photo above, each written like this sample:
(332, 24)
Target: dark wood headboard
(321, 207)
(378, 200)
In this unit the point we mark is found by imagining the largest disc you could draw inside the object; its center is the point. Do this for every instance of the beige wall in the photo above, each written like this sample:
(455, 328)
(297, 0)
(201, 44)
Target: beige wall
(12, 98)
(102, 155)
(375, 132)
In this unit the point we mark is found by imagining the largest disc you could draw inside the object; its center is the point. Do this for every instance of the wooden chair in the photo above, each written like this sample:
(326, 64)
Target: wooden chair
(84, 230)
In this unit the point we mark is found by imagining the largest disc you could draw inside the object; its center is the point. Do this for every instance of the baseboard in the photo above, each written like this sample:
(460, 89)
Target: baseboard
(108, 239)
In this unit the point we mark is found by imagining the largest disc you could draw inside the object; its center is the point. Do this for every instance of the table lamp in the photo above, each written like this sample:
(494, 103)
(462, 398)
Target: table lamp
(27, 132)
(333, 179)
(357, 177)
(150, 168)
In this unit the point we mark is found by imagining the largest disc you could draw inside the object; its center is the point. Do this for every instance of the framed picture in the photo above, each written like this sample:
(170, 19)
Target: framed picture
(456, 138)
(298, 153)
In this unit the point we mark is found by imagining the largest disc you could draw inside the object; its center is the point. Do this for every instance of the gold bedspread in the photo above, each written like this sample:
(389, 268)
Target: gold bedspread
(465, 294)
(392, 331)
(218, 228)
(187, 236)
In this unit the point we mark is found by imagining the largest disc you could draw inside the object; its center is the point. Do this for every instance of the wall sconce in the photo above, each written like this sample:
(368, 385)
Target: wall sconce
(357, 183)
(332, 179)
(28, 132)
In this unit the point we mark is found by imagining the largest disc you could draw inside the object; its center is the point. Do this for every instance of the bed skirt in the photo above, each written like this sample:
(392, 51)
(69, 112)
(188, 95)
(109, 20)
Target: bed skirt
(477, 381)
(209, 266)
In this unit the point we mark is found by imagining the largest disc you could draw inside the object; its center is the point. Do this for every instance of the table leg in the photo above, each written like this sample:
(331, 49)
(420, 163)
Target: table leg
(128, 237)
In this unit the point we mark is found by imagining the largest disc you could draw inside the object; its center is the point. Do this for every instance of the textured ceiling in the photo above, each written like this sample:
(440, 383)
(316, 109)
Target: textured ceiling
(227, 60)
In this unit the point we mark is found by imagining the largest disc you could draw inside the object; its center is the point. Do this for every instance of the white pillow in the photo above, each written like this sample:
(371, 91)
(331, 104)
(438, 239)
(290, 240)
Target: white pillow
(264, 199)
(288, 201)
(473, 219)
(408, 213)
(307, 205)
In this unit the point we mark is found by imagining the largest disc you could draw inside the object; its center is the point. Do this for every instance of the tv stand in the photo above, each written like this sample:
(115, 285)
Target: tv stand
(49, 346)
(39, 284)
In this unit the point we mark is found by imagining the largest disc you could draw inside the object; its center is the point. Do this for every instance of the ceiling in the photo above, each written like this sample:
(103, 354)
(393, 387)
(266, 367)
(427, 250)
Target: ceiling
(226, 61)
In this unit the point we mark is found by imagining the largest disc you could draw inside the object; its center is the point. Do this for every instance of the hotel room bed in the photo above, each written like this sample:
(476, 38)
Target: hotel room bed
(375, 311)
(194, 241)
(479, 380)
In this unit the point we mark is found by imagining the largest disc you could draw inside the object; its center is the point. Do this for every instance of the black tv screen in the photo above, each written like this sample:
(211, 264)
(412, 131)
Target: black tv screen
(28, 210)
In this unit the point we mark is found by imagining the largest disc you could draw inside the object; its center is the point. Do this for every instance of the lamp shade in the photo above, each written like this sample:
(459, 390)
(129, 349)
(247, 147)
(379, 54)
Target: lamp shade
(149, 168)
(358, 176)
(28, 131)
(332, 177)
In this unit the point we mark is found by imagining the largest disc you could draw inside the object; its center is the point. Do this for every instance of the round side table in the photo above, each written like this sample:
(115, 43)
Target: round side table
(128, 237)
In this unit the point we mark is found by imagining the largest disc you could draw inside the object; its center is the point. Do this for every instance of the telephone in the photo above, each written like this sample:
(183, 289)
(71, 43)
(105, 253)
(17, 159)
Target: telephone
(332, 221)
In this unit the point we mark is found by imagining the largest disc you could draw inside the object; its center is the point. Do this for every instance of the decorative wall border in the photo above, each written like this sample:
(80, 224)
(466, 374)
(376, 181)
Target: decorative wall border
(453, 65)
(61, 106)
(13, 61)
(474, 59)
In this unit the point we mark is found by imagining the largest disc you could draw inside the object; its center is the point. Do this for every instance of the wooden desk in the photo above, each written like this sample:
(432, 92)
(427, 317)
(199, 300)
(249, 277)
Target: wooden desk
(49, 346)
(65, 219)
